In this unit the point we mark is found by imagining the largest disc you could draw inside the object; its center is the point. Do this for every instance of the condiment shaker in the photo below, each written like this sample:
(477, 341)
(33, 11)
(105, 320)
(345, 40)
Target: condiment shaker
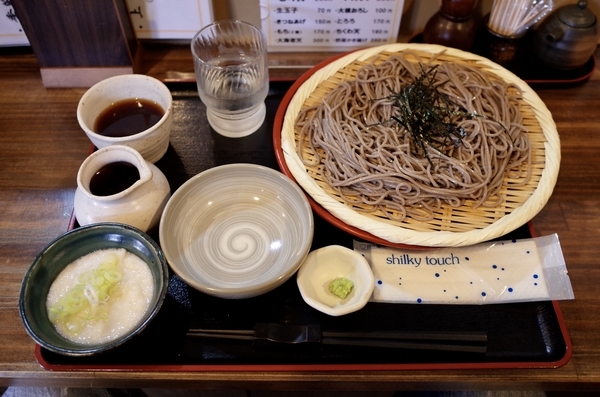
(453, 25)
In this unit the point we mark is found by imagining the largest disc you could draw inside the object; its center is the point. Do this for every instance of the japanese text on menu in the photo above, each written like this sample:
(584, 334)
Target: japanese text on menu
(326, 25)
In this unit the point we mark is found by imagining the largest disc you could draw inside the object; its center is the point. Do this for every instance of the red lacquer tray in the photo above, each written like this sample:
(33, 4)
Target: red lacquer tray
(520, 335)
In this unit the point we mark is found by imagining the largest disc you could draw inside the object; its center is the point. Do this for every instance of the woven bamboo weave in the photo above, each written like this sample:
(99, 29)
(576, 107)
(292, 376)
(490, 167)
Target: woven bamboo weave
(460, 226)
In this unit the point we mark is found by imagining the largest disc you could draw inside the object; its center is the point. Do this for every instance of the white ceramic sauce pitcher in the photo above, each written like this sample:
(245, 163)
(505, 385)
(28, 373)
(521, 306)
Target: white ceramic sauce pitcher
(140, 205)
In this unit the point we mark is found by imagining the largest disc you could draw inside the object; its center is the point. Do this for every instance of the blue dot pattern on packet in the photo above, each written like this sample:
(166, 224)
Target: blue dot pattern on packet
(508, 271)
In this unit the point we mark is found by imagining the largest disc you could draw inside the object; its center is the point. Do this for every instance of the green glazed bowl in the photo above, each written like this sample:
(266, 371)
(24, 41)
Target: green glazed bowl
(66, 249)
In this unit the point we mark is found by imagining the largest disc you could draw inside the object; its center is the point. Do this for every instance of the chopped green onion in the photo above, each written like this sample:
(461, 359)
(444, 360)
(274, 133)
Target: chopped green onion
(88, 299)
(113, 276)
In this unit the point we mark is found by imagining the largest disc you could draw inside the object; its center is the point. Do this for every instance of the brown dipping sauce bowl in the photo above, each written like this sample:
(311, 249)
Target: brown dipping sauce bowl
(153, 142)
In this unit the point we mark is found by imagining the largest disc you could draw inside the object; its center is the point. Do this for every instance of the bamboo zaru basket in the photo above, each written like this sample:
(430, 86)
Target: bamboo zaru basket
(450, 226)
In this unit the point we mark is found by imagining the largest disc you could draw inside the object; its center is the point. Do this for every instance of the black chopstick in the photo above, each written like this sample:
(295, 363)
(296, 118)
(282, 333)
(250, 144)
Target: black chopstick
(222, 334)
(471, 342)
(416, 345)
(427, 335)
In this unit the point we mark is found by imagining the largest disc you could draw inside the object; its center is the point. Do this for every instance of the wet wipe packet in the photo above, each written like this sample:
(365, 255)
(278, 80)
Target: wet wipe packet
(493, 272)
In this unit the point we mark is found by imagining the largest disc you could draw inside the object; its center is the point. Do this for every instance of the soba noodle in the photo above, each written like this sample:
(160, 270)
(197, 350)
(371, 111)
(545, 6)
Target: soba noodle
(372, 162)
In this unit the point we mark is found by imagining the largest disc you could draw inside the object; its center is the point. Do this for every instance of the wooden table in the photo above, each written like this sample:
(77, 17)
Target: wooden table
(42, 147)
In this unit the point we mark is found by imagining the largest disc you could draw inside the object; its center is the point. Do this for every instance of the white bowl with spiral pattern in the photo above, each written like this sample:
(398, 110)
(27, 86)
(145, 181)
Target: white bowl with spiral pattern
(236, 231)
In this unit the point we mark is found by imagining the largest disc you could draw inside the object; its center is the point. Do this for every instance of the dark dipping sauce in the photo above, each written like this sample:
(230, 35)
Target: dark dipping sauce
(128, 117)
(113, 178)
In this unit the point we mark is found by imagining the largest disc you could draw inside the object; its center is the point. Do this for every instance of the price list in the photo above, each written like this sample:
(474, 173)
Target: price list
(329, 25)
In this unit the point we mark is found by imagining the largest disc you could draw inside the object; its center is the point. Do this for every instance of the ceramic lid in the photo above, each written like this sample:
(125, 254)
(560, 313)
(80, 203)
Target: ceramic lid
(577, 15)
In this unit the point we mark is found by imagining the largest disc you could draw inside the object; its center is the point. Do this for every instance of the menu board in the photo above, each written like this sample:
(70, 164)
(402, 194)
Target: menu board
(169, 19)
(329, 25)
(11, 31)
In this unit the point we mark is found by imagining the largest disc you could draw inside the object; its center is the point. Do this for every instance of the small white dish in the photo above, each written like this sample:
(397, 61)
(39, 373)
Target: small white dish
(324, 265)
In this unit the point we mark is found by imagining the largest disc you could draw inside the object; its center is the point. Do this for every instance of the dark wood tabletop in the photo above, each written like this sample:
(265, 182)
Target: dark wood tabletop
(42, 147)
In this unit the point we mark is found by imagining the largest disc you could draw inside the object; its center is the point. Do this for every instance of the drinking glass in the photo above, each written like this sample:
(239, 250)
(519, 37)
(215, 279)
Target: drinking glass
(230, 61)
